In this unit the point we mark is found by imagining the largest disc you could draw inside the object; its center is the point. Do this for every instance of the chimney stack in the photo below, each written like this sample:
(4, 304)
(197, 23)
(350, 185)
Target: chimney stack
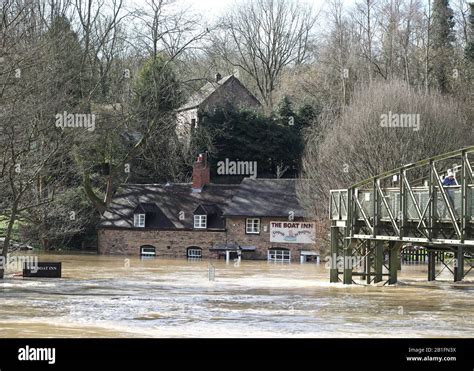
(218, 77)
(201, 173)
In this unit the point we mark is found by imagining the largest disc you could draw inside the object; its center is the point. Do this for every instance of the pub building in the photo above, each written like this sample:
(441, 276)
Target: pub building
(258, 219)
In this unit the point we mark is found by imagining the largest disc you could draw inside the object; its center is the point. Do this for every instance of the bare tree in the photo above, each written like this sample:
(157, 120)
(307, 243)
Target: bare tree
(356, 144)
(365, 18)
(262, 37)
(164, 27)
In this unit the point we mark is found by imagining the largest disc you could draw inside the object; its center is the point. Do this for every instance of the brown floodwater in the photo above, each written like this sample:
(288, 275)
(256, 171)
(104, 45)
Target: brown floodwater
(108, 296)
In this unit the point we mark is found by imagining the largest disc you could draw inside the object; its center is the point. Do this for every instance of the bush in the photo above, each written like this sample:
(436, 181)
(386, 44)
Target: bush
(354, 145)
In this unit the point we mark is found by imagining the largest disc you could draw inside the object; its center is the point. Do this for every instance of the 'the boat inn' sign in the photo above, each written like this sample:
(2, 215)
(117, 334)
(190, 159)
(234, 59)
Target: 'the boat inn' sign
(292, 232)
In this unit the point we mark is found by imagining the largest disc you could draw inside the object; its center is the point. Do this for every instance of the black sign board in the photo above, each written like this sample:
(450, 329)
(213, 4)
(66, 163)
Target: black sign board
(43, 269)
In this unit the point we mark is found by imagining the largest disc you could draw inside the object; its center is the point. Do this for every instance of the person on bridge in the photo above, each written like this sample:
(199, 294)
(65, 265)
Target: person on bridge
(450, 180)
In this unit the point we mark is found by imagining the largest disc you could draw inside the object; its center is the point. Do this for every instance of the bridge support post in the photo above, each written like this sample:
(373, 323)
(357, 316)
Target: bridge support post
(459, 264)
(348, 263)
(379, 260)
(367, 260)
(393, 260)
(399, 259)
(431, 265)
(333, 271)
(363, 251)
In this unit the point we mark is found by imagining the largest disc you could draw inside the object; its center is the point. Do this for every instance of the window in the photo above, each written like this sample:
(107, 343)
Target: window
(147, 251)
(139, 220)
(194, 123)
(200, 221)
(279, 255)
(252, 226)
(194, 253)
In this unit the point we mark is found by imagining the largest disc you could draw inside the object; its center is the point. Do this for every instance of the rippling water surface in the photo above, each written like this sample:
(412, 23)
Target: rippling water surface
(104, 296)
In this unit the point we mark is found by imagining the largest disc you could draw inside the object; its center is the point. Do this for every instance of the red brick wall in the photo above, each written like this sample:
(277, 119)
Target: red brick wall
(128, 241)
(173, 244)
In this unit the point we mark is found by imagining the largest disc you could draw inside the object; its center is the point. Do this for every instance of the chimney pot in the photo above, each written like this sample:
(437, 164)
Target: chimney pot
(218, 77)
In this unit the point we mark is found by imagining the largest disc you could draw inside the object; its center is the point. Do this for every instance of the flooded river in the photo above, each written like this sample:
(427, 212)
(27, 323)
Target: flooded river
(104, 296)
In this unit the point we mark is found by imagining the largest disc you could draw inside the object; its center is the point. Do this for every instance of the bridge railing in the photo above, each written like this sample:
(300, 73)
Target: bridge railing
(339, 203)
(422, 199)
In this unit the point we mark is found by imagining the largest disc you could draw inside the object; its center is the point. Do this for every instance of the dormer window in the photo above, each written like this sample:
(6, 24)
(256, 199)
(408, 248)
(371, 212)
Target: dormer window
(148, 215)
(200, 221)
(207, 216)
(139, 220)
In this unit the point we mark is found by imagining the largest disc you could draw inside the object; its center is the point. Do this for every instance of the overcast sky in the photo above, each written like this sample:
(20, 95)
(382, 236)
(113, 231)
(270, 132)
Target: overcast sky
(216, 7)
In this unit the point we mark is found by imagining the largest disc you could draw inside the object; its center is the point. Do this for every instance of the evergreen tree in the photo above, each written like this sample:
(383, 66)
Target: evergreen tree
(64, 54)
(470, 45)
(285, 108)
(157, 89)
(307, 115)
(443, 38)
(242, 135)
(157, 94)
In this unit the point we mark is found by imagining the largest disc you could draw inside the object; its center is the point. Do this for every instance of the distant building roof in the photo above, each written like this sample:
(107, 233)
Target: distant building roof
(265, 197)
(199, 97)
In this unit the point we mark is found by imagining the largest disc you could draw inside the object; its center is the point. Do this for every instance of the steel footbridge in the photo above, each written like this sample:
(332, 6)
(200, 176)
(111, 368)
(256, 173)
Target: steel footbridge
(374, 220)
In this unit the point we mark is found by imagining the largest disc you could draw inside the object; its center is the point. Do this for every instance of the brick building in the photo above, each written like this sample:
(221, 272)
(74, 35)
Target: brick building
(214, 94)
(257, 219)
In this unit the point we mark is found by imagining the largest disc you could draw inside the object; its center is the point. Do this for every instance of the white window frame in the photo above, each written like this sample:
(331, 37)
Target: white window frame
(139, 220)
(279, 255)
(194, 253)
(144, 252)
(252, 225)
(200, 221)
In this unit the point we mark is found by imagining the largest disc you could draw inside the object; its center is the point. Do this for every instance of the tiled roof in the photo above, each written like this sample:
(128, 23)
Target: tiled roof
(265, 197)
(170, 200)
(205, 92)
(253, 197)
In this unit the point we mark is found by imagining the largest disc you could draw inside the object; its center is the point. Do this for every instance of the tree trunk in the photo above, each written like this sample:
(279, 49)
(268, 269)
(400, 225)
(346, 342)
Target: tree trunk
(96, 201)
(109, 190)
(427, 52)
(6, 243)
